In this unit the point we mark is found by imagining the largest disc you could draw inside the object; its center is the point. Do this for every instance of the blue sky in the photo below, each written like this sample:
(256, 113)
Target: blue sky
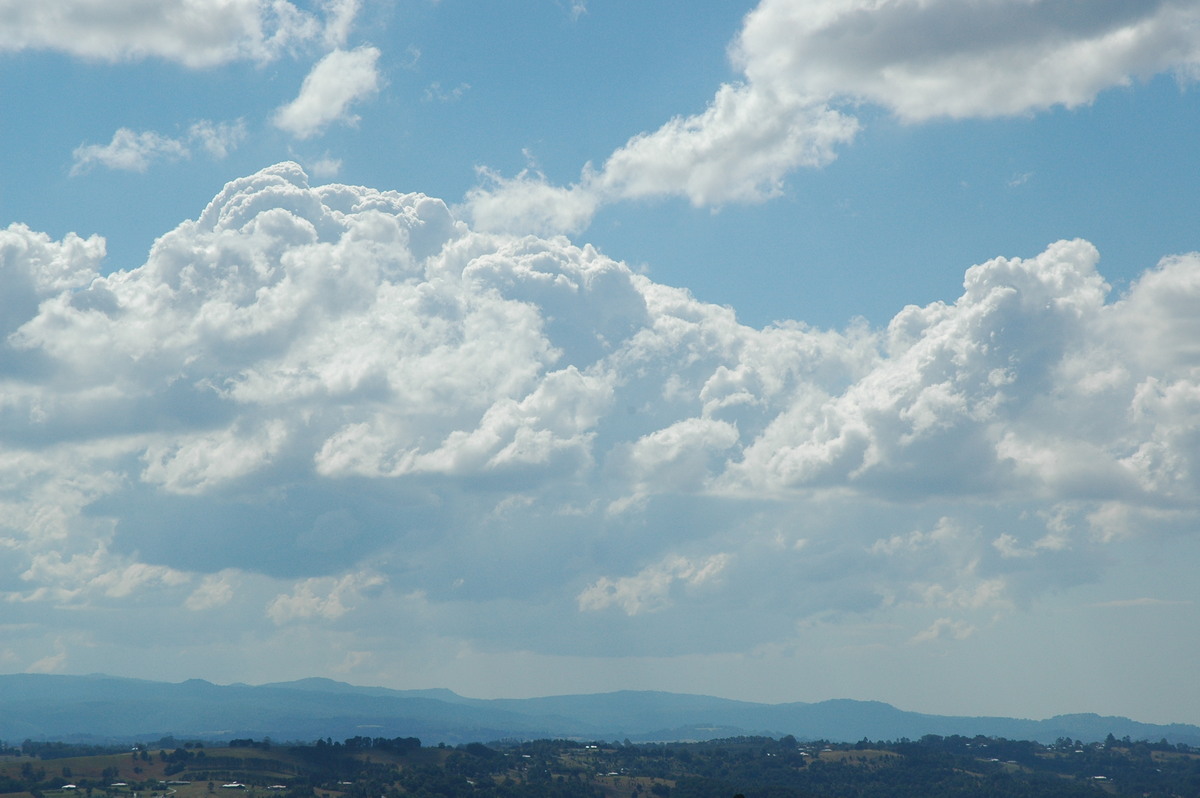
(785, 350)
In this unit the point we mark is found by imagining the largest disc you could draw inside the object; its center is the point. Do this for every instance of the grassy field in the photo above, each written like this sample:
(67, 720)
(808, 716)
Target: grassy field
(151, 774)
(130, 774)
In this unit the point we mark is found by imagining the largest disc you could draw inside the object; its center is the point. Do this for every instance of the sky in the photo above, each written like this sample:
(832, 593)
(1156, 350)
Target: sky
(783, 350)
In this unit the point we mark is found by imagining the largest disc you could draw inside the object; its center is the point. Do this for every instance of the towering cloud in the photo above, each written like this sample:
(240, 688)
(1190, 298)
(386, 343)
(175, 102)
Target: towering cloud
(326, 405)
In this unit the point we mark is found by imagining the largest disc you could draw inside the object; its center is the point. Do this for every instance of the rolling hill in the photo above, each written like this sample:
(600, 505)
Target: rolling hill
(97, 707)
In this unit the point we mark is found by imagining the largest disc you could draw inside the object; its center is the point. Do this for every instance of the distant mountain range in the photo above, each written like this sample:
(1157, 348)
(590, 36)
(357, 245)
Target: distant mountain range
(105, 708)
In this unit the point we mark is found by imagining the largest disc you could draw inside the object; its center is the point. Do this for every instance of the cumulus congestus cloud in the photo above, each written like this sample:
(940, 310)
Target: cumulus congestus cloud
(319, 407)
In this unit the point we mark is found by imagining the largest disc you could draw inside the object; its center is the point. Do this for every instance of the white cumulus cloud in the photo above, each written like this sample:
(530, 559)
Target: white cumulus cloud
(806, 64)
(196, 33)
(335, 83)
(129, 151)
(929, 58)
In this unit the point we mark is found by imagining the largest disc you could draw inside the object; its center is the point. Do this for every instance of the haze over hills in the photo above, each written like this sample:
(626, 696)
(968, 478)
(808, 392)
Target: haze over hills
(98, 707)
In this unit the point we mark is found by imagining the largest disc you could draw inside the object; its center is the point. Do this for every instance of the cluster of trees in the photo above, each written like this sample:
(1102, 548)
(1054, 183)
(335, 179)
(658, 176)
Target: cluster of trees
(766, 768)
(398, 745)
(51, 749)
(750, 767)
(58, 750)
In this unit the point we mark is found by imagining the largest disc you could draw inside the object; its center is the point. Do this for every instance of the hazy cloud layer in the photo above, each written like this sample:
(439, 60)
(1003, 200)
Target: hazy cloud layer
(806, 64)
(330, 408)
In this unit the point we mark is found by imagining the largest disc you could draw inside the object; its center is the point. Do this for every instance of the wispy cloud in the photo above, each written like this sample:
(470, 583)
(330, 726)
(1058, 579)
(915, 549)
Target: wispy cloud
(325, 167)
(1142, 602)
(323, 598)
(651, 588)
(135, 151)
(435, 93)
(944, 629)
